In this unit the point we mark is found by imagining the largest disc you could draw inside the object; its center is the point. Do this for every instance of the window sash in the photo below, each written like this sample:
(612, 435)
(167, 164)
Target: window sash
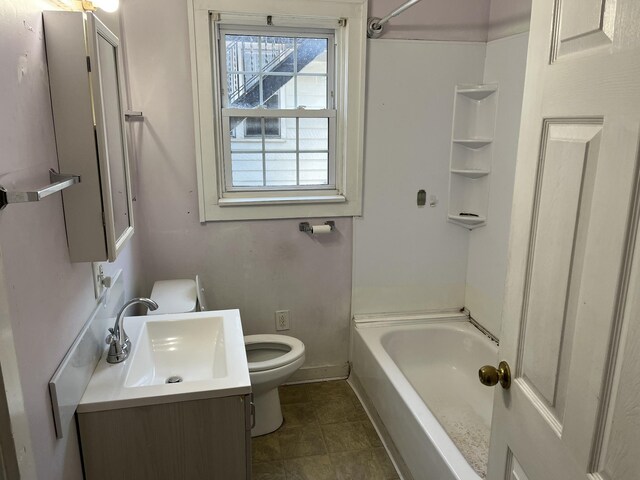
(292, 32)
(330, 114)
(227, 172)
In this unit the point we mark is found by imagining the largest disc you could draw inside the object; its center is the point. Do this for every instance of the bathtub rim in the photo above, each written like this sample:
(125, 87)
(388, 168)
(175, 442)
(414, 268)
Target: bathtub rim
(424, 417)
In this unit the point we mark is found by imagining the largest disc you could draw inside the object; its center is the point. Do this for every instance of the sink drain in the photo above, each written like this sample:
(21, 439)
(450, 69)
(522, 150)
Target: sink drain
(174, 379)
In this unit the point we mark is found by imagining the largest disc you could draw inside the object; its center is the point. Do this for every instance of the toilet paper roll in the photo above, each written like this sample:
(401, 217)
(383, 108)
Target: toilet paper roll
(320, 229)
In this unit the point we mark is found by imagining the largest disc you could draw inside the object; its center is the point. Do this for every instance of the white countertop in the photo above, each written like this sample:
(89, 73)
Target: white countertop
(107, 390)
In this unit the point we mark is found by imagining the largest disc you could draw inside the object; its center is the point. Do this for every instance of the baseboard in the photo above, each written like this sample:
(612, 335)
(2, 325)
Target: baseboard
(325, 372)
(387, 441)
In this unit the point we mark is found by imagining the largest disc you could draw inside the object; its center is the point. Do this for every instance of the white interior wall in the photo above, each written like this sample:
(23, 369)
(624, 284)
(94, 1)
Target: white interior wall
(451, 20)
(256, 266)
(508, 17)
(487, 264)
(408, 258)
(48, 298)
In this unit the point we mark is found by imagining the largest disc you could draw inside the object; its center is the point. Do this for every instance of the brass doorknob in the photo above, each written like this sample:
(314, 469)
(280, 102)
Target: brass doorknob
(490, 375)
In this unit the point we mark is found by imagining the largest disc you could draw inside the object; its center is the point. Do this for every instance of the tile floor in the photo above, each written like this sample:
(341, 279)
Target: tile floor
(326, 435)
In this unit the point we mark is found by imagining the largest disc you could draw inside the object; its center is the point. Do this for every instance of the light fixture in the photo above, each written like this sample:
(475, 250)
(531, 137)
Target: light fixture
(106, 5)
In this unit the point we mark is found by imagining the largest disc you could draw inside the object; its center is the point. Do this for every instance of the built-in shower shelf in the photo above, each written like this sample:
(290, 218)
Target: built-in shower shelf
(471, 173)
(468, 221)
(473, 142)
(477, 92)
(472, 132)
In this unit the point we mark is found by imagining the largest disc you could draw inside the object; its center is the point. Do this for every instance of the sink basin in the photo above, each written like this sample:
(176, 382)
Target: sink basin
(174, 357)
(178, 351)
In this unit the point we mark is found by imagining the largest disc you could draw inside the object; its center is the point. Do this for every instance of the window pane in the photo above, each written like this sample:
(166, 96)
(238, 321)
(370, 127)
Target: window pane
(314, 168)
(280, 86)
(243, 91)
(286, 140)
(259, 67)
(277, 54)
(314, 134)
(281, 169)
(246, 169)
(242, 53)
(243, 69)
(312, 91)
(238, 127)
(312, 55)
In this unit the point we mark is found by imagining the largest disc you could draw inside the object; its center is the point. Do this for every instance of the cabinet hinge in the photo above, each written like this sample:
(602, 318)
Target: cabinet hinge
(88, 63)
(104, 221)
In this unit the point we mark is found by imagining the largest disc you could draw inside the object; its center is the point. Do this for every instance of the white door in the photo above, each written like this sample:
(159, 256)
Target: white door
(572, 309)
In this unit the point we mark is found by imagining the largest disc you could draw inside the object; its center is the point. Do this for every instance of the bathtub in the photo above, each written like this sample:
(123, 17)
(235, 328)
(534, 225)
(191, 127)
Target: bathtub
(420, 375)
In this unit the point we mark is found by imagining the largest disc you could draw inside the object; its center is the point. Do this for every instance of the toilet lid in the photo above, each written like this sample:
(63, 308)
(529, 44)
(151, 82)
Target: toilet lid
(174, 296)
(279, 350)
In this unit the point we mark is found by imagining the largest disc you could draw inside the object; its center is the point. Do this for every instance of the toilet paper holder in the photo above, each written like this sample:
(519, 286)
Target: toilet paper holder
(307, 228)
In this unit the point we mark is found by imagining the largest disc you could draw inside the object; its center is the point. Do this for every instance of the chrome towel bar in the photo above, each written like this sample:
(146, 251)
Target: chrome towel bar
(59, 181)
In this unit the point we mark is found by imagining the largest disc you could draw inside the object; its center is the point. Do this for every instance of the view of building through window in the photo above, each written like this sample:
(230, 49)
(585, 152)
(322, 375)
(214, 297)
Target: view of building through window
(274, 78)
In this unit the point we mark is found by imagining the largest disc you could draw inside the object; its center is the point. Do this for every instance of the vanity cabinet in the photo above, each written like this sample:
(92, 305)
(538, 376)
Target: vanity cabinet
(85, 74)
(196, 440)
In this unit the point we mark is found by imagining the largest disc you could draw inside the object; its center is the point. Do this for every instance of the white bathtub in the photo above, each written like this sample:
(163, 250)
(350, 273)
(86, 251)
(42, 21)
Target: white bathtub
(420, 374)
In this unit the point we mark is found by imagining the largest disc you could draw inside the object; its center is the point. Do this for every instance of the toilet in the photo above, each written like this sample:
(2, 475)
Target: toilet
(272, 359)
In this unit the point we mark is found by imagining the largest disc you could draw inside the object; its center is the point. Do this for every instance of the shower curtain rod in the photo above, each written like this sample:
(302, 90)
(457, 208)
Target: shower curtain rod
(375, 25)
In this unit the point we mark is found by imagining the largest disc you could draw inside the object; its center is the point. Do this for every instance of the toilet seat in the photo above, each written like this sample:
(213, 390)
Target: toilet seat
(292, 349)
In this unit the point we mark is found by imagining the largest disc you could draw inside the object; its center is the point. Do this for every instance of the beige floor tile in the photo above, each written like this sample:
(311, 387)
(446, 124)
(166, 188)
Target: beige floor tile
(299, 414)
(325, 392)
(359, 411)
(268, 471)
(295, 394)
(345, 437)
(318, 467)
(372, 435)
(388, 470)
(301, 441)
(339, 410)
(299, 449)
(265, 448)
(360, 465)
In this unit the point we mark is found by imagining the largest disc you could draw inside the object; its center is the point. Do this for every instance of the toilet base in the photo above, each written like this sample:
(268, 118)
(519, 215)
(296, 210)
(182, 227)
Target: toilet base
(268, 414)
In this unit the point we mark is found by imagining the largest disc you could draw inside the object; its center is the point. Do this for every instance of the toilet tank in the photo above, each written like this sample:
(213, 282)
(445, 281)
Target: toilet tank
(174, 296)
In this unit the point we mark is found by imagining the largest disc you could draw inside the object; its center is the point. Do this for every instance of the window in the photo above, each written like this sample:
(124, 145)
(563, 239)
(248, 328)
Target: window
(271, 108)
(260, 67)
(253, 125)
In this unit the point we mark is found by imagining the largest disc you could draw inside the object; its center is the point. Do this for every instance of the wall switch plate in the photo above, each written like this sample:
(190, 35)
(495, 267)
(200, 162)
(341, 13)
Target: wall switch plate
(100, 281)
(98, 275)
(283, 320)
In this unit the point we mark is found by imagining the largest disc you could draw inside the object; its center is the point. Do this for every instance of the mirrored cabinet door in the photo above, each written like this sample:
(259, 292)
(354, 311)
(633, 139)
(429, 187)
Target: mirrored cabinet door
(85, 75)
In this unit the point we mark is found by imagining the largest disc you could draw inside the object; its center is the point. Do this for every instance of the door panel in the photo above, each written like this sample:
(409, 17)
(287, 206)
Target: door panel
(571, 305)
(565, 186)
(618, 458)
(514, 470)
(581, 25)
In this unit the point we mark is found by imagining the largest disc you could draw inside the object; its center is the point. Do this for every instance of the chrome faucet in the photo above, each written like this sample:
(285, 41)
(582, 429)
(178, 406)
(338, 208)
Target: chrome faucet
(118, 341)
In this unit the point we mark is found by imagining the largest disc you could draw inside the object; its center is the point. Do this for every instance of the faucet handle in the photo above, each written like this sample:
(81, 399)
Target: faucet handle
(111, 338)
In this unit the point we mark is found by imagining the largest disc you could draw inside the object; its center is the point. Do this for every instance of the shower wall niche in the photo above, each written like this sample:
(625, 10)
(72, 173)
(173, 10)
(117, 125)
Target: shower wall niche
(474, 120)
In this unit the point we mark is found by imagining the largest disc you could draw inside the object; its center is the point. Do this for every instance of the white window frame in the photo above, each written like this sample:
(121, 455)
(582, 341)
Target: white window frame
(347, 18)
(228, 190)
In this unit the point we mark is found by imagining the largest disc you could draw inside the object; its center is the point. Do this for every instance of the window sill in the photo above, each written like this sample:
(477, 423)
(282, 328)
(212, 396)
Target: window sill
(289, 200)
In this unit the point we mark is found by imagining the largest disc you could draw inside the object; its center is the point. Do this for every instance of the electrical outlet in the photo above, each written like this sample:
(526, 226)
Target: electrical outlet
(283, 320)
(98, 275)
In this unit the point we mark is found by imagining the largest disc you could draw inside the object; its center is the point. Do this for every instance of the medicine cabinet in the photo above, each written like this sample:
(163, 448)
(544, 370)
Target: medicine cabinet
(474, 118)
(85, 74)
